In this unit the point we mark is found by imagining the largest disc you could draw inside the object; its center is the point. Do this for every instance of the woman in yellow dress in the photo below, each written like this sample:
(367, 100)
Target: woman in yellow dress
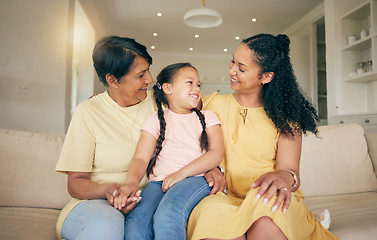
(263, 122)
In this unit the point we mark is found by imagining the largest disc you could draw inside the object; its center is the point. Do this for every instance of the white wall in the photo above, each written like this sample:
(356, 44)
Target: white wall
(301, 57)
(34, 51)
(37, 49)
(303, 52)
(83, 44)
(211, 68)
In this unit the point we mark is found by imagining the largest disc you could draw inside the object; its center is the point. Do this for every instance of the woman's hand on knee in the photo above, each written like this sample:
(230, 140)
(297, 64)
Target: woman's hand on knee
(272, 183)
(216, 180)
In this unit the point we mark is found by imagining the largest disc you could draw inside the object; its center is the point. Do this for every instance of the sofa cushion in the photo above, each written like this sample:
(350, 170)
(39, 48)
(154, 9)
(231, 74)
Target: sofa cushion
(337, 162)
(353, 216)
(27, 172)
(28, 223)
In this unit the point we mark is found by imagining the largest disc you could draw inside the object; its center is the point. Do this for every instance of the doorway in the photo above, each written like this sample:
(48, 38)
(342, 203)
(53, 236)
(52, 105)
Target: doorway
(321, 71)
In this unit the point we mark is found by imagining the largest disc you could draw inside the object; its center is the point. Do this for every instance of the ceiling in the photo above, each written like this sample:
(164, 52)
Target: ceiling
(138, 19)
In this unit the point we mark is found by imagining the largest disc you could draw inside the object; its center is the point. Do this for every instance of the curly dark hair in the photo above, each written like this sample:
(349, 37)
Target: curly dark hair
(167, 75)
(282, 99)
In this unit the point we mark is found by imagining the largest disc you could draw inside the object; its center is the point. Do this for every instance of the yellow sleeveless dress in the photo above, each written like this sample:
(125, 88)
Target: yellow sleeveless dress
(250, 151)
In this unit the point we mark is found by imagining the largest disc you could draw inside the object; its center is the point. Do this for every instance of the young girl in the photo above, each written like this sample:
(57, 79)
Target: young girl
(184, 143)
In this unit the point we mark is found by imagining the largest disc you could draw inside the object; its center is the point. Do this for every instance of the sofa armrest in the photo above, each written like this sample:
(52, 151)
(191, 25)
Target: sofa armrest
(372, 148)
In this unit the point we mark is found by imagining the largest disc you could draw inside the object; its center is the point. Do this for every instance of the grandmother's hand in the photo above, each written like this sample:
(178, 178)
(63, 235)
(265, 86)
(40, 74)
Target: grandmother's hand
(278, 182)
(216, 180)
(112, 191)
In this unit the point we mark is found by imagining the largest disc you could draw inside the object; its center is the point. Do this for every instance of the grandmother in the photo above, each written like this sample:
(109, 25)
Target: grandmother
(101, 141)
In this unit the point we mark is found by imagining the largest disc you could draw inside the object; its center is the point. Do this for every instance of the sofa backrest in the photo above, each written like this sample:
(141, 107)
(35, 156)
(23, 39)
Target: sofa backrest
(27, 170)
(337, 162)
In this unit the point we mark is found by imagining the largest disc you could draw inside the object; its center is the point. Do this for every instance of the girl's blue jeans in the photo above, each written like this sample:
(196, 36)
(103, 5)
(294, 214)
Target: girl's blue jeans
(161, 215)
(158, 215)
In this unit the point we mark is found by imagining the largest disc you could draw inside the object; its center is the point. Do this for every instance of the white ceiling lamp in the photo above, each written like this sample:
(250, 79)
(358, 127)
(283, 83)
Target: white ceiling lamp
(202, 17)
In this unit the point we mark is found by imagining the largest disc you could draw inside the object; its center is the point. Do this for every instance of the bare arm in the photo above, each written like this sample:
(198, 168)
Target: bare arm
(136, 171)
(81, 187)
(204, 163)
(143, 154)
(281, 181)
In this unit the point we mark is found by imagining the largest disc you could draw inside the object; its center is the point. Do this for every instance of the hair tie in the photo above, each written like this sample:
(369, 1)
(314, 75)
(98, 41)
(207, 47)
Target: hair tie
(158, 85)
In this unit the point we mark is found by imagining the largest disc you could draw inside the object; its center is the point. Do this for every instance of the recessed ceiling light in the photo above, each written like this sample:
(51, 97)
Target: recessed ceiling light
(237, 37)
(196, 35)
(191, 49)
(225, 50)
(155, 34)
(253, 19)
(153, 47)
(159, 14)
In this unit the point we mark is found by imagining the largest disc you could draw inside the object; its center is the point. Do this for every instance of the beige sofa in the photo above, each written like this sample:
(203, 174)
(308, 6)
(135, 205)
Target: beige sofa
(336, 172)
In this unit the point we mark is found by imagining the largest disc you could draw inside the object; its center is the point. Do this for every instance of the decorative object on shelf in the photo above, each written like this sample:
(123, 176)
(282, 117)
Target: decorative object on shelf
(360, 68)
(202, 17)
(351, 39)
(368, 66)
(363, 33)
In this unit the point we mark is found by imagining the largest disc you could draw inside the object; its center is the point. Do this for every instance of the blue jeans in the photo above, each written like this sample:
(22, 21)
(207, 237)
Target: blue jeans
(162, 215)
(94, 219)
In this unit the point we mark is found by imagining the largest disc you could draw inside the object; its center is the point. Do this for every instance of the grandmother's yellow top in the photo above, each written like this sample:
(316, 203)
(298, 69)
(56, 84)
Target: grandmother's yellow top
(101, 139)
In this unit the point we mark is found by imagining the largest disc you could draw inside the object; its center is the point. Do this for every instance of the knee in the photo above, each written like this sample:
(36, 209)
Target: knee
(108, 226)
(167, 213)
(265, 228)
(263, 222)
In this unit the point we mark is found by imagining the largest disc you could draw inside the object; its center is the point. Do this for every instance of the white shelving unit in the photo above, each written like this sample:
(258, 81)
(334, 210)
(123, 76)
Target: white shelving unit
(363, 49)
(354, 95)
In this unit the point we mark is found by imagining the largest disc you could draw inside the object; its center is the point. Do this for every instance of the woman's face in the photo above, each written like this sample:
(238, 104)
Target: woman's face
(132, 87)
(244, 72)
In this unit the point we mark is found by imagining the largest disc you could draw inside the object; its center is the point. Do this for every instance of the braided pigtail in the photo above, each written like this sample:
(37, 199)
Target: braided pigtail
(160, 98)
(203, 137)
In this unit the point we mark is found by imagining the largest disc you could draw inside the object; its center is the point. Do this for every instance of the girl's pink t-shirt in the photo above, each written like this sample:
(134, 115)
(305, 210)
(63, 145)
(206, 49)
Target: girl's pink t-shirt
(182, 140)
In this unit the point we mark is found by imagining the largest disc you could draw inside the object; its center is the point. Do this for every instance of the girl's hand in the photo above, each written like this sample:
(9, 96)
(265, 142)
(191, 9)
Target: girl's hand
(131, 202)
(171, 180)
(279, 182)
(216, 180)
(126, 196)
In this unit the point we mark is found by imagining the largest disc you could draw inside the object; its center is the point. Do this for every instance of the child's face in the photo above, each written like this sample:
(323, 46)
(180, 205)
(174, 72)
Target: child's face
(185, 89)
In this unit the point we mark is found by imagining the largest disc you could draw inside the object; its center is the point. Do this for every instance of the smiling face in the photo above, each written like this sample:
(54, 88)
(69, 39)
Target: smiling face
(132, 87)
(183, 94)
(244, 72)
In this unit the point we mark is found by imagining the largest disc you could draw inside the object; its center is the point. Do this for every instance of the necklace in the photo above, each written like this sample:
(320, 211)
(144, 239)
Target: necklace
(134, 120)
